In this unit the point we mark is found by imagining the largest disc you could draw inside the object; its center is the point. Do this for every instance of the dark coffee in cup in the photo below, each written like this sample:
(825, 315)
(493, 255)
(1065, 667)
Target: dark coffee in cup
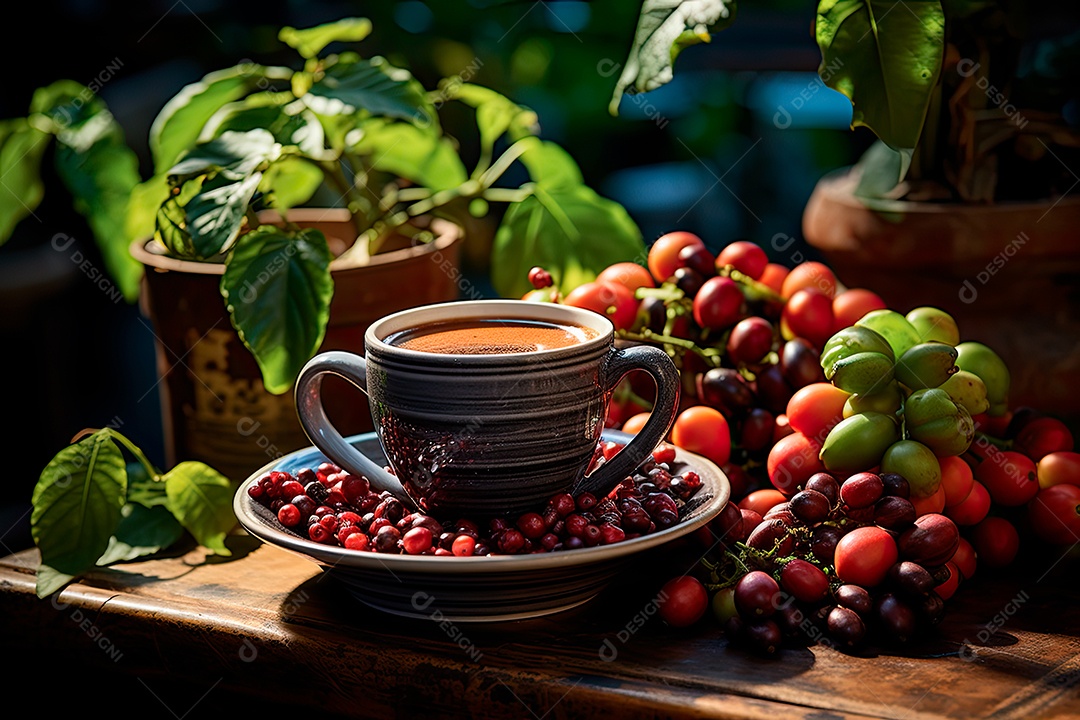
(495, 336)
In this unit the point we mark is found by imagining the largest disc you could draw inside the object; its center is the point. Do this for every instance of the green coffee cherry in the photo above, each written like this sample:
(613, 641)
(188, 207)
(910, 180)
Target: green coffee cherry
(967, 389)
(982, 361)
(926, 365)
(852, 340)
(888, 401)
(934, 324)
(938, 422)
(857, 443)
(862, 373)
(916, 463)
(892, 326)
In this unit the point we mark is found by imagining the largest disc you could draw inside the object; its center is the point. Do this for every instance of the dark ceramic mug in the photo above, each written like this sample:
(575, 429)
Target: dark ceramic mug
(489, 434)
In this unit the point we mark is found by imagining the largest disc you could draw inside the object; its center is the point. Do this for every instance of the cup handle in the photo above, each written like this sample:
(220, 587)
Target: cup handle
(321, 431)
(656, 362)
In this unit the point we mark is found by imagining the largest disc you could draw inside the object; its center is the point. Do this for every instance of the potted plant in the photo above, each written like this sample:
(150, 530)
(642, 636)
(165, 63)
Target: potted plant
(964, 200)
(289, 207)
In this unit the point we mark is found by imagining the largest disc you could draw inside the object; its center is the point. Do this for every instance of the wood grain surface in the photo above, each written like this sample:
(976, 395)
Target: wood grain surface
(196, 636)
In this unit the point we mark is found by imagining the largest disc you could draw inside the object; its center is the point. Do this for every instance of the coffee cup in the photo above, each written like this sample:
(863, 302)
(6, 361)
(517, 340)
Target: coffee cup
(489, 407)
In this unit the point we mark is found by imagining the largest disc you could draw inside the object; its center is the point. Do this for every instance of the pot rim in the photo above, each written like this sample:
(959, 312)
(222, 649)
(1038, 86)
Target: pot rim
(446, 234)
(838, 186)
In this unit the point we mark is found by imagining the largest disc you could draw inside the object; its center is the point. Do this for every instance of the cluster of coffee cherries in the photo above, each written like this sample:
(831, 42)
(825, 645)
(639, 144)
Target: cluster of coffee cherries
(840, 561)
(329, 505)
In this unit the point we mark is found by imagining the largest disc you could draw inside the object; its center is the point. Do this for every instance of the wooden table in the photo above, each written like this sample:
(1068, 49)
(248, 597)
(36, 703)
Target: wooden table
(266, 631)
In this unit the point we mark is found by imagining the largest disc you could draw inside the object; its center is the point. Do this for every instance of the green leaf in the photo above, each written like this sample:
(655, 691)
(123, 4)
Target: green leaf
(102, 180)
(201, 499)
(549, 165)
(372, 85)
(428, 159)
(290, 182)
(180, 123)
(689, 38)
(309, 42)
(880, 170)
(143, 205)
(144, 489)
(171, 222)
(76, 504)
(289, 123)
(49, 580)
(277, 286)
(569, 230)
(234, 155)
(142, 531)
(21, 188)
(495, 113)
(65, 104)
(215, 216)
(664, 28)
(886, 59)
(98, 169)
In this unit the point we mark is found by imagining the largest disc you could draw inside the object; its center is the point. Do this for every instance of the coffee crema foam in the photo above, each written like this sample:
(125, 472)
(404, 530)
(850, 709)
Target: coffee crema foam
(491, 337)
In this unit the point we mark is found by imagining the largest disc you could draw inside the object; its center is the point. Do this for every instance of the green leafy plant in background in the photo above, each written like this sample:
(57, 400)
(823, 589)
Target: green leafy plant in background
(92, 160)
(92, 508)
(342, 130)
(368, 136)
(965, 101)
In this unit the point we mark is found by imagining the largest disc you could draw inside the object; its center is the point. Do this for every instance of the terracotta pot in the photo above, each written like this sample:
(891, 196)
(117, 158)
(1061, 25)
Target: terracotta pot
(214, 406)
(1009, 273)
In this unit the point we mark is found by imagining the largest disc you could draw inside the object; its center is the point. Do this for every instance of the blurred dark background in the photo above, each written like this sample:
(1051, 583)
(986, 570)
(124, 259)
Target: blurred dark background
(730, 149)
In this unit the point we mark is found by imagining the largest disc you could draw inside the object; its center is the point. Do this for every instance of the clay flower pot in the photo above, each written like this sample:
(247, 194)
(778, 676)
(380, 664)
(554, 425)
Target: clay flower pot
(214, 406)
(1009, 273)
